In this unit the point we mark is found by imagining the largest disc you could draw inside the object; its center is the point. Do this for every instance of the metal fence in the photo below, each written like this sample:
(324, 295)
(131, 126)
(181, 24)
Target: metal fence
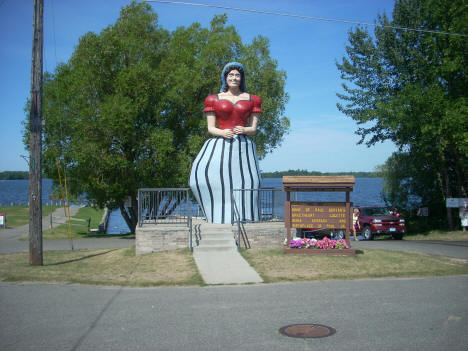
(270, 208)
(164, 206)
(175, 206)
(167, 206)
(270, 204)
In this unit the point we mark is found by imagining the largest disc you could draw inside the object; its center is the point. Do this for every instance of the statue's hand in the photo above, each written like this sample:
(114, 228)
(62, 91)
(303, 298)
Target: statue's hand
(239, 130)
(227, 133)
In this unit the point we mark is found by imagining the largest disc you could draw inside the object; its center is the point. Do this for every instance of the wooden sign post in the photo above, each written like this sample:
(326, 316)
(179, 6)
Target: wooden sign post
(326, 215)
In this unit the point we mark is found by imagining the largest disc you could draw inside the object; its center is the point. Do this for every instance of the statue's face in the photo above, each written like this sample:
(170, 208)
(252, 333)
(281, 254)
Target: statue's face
(234, 78)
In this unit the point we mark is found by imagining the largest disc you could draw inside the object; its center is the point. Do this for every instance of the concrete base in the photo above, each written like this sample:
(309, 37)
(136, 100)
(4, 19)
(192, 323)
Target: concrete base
(161, 237)
(266, 235)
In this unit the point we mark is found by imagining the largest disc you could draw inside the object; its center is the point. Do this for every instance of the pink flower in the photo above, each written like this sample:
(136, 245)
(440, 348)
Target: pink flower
(324, 244)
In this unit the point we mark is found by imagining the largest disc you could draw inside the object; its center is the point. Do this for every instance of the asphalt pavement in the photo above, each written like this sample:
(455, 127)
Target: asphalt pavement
(427, 314)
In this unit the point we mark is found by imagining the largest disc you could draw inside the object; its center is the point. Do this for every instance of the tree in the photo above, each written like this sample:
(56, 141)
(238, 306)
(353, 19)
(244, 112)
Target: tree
(410, 87)
(125, 111)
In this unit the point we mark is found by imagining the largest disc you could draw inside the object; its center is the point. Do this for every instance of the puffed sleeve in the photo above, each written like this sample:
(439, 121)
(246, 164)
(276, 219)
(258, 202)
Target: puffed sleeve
(209, 103)
(257, 104)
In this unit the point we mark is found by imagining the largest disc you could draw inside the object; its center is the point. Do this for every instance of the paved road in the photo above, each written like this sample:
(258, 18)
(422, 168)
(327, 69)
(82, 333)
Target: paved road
(429, 314)
(385, 314)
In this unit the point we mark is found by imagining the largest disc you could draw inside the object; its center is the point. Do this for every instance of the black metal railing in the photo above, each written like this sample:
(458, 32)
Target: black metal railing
(166, 206)
(269, 208)
(269, 204)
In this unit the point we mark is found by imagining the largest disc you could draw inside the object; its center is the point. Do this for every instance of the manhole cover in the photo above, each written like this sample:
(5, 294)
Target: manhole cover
(307, 331)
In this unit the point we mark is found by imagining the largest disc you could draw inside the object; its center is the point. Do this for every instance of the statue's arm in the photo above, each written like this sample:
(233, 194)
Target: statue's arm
(251, 128)
(213, 130)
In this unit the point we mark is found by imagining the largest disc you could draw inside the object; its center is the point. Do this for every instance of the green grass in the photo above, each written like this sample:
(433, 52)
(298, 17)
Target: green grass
(104, 267)
(177, 267)
(275, 266)
(440, 235)
(19, 215)
(79, 226)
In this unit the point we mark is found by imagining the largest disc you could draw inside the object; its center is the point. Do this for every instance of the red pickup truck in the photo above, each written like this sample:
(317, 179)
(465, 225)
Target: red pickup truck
(373, 220)
(380, 220)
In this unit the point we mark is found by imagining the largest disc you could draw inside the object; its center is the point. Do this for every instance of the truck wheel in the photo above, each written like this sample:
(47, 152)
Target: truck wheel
(397, 236)
(367, 233)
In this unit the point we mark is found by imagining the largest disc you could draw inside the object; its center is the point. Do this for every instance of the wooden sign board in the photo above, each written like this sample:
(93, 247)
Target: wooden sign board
(329, 215)
(315, 214)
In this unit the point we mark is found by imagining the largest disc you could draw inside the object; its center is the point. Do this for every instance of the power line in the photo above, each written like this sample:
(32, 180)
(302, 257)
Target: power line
(285, 14)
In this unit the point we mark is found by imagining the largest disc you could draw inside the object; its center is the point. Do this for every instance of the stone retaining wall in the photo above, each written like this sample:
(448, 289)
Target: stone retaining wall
(153, 238)
(161, 237)
(264, 235)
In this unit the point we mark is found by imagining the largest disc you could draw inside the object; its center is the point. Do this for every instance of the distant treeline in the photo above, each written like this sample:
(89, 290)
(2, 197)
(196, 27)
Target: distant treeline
(303, 172)
(11, 175)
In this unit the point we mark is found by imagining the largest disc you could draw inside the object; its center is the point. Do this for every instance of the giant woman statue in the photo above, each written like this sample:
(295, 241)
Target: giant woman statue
(228, 160)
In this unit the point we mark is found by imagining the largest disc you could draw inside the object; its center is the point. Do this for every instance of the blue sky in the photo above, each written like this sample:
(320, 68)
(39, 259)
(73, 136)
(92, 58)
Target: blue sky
(321, 138)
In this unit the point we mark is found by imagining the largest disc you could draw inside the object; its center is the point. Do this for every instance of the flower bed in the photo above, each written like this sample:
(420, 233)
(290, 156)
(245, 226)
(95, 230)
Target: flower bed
(325, 246)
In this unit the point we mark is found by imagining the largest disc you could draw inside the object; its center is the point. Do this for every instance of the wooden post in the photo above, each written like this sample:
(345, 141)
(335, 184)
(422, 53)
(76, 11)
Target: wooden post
(287, 216)
(35, 139)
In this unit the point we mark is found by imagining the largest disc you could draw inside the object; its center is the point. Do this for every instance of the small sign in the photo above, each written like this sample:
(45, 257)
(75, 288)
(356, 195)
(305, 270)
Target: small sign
(456, 202)
(2, 220)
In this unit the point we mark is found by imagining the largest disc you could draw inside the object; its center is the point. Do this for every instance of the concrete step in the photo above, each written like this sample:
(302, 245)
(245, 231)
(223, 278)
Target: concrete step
(223, 236)
(215, 237)
(217, 257)
(219, 242)
(215, 231)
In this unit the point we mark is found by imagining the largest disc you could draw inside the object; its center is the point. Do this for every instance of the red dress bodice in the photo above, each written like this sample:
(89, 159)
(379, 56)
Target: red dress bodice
(228, 115)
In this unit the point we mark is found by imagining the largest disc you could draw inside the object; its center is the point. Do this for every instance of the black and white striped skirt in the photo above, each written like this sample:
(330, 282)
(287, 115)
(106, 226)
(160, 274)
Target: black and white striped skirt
(221, 166)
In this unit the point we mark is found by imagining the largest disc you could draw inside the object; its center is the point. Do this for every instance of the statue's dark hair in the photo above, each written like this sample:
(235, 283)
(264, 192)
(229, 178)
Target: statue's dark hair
(230, 67)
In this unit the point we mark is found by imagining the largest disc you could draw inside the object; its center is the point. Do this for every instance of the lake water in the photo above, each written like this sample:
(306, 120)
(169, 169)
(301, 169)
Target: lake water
(16, 192)
(367, 192)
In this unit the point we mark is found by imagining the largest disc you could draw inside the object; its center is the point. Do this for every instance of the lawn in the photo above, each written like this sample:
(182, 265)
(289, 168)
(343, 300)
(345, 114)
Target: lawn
(19, 215)
(104, 267)
(123, 267)
(79, 225)
(457, 235)
(275, 266)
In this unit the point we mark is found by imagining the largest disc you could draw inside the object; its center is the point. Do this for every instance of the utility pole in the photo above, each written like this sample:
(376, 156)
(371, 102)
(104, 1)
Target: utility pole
(35, 139)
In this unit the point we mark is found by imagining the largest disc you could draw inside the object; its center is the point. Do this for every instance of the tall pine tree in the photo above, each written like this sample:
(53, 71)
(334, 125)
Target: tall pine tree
(410, 87)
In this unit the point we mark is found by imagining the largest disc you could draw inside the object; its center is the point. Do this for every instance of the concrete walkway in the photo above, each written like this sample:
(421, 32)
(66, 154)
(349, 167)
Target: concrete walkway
(217, 257)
